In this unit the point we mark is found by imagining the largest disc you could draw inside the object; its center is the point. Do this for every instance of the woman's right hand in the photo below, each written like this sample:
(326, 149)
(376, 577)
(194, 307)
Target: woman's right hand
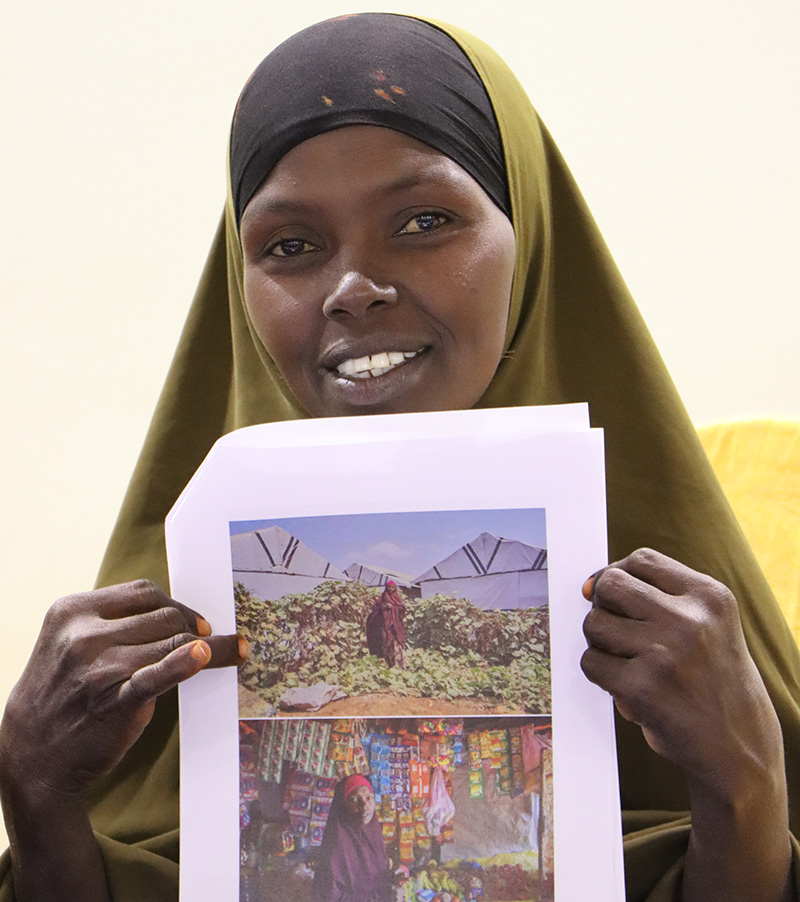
(89, 689)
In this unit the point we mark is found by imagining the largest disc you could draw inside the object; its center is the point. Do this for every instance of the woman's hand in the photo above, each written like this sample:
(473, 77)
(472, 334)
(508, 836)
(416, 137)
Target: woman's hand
(86, 695)
(89, 689)
(666, 642)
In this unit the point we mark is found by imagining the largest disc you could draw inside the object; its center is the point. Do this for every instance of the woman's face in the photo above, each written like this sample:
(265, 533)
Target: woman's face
(377, 274)
(360, 805)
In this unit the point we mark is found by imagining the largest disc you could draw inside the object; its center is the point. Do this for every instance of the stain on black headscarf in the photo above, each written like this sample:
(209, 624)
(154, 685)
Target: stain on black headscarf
(368, 69)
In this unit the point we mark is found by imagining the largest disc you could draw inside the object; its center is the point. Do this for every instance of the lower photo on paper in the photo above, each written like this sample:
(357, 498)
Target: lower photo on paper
(396, 810)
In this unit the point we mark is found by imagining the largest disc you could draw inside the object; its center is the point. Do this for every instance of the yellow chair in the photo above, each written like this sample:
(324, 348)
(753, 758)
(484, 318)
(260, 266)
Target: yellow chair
(758, 464)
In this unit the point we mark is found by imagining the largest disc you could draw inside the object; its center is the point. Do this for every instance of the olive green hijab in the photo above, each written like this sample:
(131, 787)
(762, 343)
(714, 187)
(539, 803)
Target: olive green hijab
(574, 334)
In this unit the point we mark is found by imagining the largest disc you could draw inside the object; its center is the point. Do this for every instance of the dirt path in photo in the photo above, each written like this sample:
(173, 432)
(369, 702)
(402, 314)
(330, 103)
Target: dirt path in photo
(381, 705)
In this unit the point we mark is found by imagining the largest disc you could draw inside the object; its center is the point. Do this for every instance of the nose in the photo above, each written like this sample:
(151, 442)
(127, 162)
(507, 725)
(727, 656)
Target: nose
(355, 294)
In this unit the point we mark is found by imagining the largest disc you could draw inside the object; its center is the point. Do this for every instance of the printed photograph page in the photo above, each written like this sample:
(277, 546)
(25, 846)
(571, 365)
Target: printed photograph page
(412, 723)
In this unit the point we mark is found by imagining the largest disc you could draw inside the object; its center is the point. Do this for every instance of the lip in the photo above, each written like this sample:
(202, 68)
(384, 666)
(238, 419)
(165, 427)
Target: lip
(336, 354)
(375, 365)
(373, 394)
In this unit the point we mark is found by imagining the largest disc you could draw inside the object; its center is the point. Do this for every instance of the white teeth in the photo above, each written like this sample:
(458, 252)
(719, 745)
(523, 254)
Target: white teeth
(376, 365)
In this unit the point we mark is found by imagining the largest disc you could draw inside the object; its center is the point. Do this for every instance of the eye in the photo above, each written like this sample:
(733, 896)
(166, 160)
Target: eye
(291, 247)
(422, 223)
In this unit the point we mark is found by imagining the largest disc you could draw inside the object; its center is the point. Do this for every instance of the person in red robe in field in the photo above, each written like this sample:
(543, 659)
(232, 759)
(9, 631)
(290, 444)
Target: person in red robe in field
(386, 633)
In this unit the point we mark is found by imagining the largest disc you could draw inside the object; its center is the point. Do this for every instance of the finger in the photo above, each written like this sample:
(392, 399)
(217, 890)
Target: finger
(624, 710)
(619, 592)
(142, 597)
(197, 623)
(151, 626)
(228, 651)
(658, 570)
(602, 668)
(147, 683)
(126, 599)
(621, 636)
(618, 677)
(120, 662)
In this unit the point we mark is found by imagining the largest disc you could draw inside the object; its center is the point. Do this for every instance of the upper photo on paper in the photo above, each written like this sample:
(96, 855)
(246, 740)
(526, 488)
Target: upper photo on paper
(433, 613)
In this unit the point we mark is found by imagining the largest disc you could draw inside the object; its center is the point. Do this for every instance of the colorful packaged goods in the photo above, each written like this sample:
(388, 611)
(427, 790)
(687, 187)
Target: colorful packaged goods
(405, 842)
(386, 810)
(360, 759)
(422, 839)
(517, 774)
(430, 726)
(388, 825)
(420, 779)
(446, 834)
(497, 747)
(272, 750)
(246, 759)
(319, 747)
(307, 735)
(298, 802)
(248, 789)
(324, 787)
(316, 830)
(476, 783)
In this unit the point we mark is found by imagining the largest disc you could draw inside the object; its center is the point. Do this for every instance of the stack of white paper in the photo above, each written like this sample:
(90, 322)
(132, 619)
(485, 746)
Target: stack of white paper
(458, 696)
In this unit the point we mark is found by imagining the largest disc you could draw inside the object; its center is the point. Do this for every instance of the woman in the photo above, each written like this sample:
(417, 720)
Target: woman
(378, 209)
(352, 865)
(386, 633)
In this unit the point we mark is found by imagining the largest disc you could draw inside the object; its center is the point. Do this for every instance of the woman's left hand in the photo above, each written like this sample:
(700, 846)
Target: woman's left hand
(667, 643)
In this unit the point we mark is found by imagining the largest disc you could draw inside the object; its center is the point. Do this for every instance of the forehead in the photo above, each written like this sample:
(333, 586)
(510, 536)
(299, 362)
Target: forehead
(364, 161)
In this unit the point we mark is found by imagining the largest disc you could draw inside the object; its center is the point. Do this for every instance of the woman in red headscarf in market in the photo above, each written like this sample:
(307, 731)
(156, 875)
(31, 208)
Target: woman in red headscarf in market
(353, 865)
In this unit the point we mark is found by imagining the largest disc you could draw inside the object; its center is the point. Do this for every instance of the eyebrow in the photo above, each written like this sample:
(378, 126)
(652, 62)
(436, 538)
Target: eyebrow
(280, 206)
(418, 179)
(277, 205)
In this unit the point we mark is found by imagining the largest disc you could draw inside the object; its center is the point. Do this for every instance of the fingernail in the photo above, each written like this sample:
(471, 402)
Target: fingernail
(203, 626)
(201, 652)
(588, 587)
(244, 648)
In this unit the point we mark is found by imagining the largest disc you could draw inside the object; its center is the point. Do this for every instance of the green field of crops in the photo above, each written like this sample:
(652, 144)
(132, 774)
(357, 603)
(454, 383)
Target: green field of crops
(454, 649)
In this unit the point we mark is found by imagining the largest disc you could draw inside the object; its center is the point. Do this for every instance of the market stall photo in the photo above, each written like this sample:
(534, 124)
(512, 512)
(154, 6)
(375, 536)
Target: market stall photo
(396, 810)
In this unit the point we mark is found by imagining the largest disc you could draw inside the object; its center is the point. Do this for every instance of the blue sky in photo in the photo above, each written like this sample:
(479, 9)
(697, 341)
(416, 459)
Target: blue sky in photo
(408, 543)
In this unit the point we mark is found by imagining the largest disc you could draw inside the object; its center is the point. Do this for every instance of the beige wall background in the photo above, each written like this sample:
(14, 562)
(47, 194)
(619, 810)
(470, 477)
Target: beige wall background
(678, 120)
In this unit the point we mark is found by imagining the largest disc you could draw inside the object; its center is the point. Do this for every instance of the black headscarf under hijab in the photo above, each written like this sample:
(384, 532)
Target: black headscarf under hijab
(370, 69)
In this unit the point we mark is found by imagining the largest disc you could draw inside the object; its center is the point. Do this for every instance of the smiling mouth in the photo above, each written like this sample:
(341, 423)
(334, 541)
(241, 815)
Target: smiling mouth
(375, 364)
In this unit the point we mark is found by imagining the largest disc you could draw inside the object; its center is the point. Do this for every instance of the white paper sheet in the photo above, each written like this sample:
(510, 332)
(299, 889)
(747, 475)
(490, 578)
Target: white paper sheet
(513, 459)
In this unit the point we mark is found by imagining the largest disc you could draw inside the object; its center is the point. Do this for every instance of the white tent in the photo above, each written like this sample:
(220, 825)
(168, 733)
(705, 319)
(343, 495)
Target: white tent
(492, 572)
(373, 576)
(271, 563)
